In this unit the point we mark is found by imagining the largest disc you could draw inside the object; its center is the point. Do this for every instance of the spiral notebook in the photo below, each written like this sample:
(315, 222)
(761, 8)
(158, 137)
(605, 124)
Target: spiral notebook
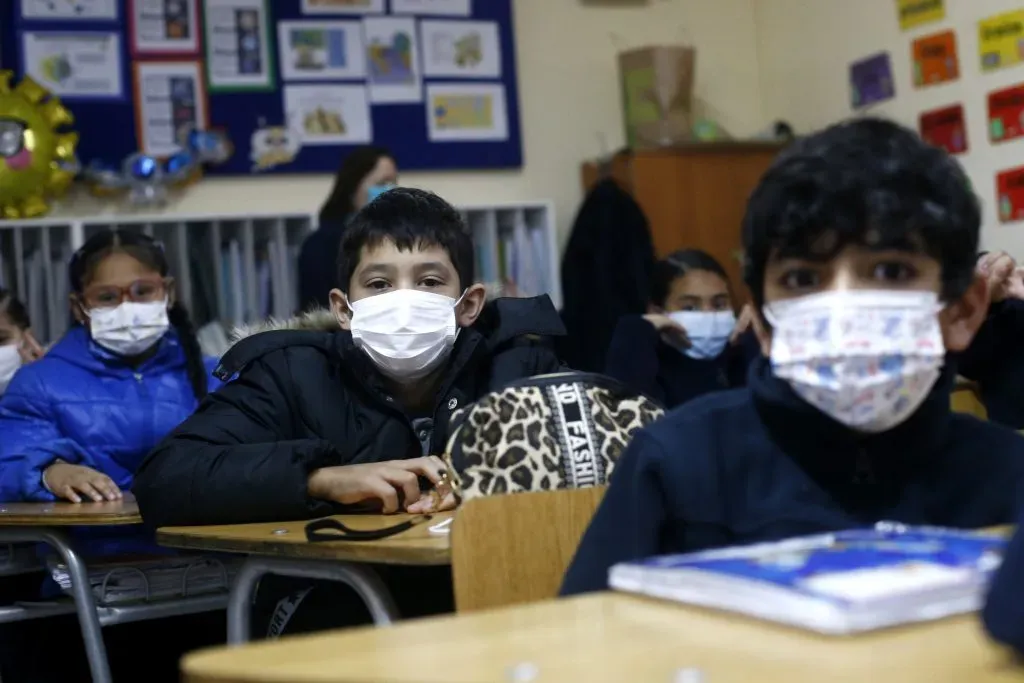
(838, 583)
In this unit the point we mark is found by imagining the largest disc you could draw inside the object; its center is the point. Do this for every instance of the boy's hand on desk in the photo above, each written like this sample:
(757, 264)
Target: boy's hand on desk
(72, 482)
(394, 483)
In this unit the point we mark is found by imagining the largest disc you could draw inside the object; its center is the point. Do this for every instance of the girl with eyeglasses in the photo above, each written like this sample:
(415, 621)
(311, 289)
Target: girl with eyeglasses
(78, 422)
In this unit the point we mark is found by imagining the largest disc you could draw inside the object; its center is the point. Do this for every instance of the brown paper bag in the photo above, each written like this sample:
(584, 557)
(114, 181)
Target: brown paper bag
(657, 87)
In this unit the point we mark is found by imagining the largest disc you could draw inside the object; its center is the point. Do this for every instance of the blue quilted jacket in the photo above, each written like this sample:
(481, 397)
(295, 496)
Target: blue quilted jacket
(80, 404)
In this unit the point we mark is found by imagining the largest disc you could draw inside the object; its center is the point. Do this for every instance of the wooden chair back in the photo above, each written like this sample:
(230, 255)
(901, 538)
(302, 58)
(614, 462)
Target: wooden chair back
(966, 398)
(514, 549)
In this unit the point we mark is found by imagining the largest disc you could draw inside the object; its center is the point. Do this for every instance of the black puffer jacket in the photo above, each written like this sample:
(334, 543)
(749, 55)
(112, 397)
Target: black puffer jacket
(308, 398)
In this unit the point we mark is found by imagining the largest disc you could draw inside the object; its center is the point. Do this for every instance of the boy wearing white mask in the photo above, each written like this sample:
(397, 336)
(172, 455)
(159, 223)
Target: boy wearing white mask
(353, 408)
(861, 243)
(689, 343)
(348, 409)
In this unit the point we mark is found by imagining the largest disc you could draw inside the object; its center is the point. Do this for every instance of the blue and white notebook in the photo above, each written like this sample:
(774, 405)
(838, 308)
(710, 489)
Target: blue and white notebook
(837, 583)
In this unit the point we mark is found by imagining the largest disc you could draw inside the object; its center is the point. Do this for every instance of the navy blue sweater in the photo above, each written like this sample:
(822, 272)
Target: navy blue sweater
(639, 358)
(995, 360)
(760, 464)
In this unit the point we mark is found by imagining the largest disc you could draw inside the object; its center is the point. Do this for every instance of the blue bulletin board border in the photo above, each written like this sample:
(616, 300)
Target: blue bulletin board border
(108, 131)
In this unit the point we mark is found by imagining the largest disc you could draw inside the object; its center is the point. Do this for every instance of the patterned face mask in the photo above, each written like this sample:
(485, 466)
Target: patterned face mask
(868, 359)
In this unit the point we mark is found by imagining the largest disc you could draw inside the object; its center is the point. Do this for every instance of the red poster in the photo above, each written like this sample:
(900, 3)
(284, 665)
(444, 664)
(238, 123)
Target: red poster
(1010, 189)
(1006, 114)
(945, 128)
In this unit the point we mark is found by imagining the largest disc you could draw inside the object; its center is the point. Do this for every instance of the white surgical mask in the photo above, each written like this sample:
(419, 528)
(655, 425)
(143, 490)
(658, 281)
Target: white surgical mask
(407, 333)
(866, 358)
(708, 331)
(131, 328)
(10, 361)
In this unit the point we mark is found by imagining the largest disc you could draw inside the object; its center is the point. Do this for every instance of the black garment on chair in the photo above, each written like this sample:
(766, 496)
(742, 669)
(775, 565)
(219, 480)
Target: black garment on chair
(605, 273)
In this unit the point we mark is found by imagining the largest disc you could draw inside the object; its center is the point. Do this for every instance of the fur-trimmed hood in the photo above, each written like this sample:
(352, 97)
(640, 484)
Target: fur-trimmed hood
(317, 320)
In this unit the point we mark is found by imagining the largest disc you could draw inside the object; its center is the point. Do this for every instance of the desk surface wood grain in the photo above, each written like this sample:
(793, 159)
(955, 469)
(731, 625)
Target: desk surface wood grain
(417, 546)
(608, 637)
(122, 512)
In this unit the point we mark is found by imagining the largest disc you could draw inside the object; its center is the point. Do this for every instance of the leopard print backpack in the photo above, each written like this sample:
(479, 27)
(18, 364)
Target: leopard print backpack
(560, 431)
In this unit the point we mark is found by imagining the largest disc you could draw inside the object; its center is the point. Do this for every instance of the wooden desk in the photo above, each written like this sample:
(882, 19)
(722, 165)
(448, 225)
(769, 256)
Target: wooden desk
(281, 548)
(614, 638)
(417, 546)
(124, 511)
(46, 523)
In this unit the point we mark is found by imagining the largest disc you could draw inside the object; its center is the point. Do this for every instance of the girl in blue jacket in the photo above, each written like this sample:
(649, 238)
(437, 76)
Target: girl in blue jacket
(78, 422)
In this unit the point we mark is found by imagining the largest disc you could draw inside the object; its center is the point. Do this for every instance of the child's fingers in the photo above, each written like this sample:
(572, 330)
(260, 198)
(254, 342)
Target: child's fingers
(68, 493)
(88, 490)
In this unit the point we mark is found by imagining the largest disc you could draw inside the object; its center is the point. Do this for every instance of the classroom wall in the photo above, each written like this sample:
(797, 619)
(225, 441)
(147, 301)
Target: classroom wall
(806, 46)
(569, 93)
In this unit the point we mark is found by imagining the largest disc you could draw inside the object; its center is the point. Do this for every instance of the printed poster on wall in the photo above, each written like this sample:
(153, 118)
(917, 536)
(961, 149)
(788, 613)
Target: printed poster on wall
(342, 6)
(238, 45)
(321, 50)
(914, 13)
(70, 10)
(1010, 194)
(170, 100)
(446, 8)
(1001, 40)
(1006, 114)
(74, 65)
(945, 128)
(164, 26)
(935, 59)
(329, 114)
(461, 49)
(392, 60)
(460, 112)
(871, 80)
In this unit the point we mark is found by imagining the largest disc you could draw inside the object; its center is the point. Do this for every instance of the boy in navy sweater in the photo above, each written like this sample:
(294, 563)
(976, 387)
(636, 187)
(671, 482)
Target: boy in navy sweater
(861, 243)
(689, 343)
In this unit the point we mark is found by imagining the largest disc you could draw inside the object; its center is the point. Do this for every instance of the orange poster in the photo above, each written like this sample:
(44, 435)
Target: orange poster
(935, 59)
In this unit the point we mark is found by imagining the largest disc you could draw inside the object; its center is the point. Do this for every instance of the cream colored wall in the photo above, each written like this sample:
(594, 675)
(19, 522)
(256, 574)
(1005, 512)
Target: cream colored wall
(806, 47)
(566, 52)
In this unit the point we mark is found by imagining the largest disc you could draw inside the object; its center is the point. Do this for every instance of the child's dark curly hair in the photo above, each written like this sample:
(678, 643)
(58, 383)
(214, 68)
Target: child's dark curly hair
(870, 182)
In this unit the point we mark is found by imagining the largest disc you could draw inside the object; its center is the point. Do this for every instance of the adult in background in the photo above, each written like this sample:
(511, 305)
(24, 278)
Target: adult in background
(363, 176)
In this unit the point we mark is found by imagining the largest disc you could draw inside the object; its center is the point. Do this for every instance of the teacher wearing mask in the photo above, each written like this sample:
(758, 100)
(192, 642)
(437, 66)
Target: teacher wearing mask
(364, 174)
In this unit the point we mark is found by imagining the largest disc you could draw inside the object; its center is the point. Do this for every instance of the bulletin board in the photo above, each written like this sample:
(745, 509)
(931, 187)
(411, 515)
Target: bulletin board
(295, 83)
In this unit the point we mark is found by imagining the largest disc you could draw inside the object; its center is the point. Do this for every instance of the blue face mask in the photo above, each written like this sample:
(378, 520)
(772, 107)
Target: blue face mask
(708, 331)
(375, 191)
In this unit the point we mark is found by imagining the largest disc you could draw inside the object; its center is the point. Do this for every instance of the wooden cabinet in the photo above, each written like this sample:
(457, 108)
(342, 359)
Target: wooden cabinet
(693, 196)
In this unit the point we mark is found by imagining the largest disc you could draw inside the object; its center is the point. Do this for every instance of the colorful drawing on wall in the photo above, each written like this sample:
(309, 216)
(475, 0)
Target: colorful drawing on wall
(273, 146)
(392, 63)
(1006, 114)
(915, 13)
(1001, 40)
(460, 49)
(945, 128)
(460, 112)
(871, 80)
(935, 59)
(319, 50)
(1010, 194)
(329, 114)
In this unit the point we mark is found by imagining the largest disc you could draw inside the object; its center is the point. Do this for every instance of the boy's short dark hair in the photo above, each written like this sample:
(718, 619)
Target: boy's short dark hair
(412, 219)
(676, 265)
(871, 182)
